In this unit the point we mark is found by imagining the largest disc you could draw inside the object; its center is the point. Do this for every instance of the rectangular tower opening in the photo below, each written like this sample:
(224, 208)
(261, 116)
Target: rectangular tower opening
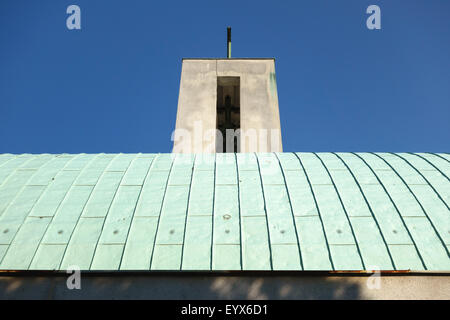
(228, 114)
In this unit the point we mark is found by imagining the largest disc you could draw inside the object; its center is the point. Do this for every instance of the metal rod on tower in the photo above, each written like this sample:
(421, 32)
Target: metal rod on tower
(229, 42)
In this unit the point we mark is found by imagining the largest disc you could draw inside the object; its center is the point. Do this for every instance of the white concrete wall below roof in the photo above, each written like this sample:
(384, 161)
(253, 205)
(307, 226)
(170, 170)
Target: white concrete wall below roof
(259, 111)
(185, 286)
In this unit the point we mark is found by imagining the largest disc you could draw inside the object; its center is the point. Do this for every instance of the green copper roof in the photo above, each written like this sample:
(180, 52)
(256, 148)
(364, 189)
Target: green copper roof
(271, 211)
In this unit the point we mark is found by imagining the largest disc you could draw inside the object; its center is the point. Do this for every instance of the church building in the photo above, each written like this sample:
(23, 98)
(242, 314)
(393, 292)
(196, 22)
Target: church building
(227, 214)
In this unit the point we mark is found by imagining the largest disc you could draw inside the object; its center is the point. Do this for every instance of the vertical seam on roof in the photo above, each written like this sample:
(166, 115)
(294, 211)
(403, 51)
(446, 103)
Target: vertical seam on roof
(68, 162)
(345, 211)
(438, 155)
(6, 178)
(432, 164)
(81, 213)
(109, 208)
(265, 211)
(23, 186)
(292, 211)
(14, 169)
(239, 210)
(31, 209)
(423, 209)
(318, 211)
(12, 200)
(4, 163)
(396, 209)
(160, 210)
(370, 209)
(57, 208)
(135, 207)
(187, 208)
(212, 215)
(428, 182)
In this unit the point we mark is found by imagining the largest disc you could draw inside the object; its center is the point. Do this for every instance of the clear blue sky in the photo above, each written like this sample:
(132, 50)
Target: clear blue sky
(113, 86)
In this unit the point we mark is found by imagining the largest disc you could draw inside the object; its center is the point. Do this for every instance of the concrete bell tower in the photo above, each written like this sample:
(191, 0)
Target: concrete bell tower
(227, 105)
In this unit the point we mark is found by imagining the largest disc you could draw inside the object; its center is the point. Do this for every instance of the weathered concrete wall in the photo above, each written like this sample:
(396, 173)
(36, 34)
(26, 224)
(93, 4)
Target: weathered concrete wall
(197, 106)
(228, 287)
(258, 105)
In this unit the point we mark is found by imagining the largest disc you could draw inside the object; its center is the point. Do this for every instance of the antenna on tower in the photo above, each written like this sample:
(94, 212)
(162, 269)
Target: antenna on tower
(228, 42)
